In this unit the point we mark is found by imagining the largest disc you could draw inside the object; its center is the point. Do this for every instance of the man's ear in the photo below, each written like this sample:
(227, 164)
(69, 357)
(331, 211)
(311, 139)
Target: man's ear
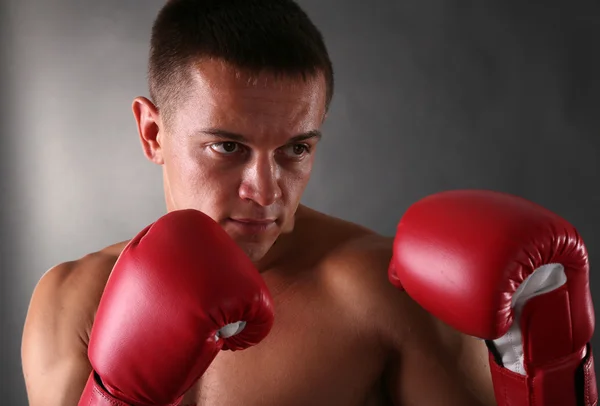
(147, 119)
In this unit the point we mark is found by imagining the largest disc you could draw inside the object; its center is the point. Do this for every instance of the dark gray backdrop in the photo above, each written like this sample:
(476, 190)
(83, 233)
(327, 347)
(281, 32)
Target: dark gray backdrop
(431, 95)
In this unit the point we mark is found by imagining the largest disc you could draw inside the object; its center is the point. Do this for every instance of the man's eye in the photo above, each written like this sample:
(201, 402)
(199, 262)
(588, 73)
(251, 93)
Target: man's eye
(227, 147)
(296, 150)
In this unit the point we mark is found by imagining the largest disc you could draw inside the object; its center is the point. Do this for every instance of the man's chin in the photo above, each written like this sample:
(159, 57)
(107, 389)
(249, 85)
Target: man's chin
(255, 250)
(255, 243)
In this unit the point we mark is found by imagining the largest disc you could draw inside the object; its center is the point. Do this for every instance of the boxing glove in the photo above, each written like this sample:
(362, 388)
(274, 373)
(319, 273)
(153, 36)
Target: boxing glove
(180, 292)
(506, 270)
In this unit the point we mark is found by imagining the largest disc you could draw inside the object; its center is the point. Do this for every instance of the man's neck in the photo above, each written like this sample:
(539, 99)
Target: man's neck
(279, 251)
(276, 253)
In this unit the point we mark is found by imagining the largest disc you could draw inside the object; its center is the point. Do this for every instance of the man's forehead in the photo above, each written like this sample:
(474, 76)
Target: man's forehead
(223, 100)
(219, 89)
(220, 75)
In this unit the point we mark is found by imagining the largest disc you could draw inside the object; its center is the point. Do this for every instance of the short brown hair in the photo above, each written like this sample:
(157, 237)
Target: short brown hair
(275, 36)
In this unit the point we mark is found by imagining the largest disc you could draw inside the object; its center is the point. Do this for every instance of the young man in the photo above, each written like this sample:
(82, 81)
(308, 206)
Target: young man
(239, 90)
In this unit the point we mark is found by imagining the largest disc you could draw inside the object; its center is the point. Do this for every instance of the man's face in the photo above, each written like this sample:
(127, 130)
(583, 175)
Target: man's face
(242, 151)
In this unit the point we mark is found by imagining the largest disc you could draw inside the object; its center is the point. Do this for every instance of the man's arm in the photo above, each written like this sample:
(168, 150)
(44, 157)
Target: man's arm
(430, 364)
(433, 364)
(55, 337)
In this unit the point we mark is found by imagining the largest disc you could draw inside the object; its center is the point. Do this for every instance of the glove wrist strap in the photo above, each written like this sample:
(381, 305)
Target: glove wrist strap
(570, 381)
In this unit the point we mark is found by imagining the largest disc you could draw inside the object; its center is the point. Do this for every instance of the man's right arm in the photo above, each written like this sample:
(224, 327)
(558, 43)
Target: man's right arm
(56, 333)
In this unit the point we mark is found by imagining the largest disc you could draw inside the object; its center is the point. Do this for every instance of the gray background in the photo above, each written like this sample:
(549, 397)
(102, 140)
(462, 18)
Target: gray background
(431, 95)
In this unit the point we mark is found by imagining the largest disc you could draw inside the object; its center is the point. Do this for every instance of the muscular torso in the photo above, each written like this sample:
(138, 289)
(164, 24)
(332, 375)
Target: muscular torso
(321, 350)
(314, 355)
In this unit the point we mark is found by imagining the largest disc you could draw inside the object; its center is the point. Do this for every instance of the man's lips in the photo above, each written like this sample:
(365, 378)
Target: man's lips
(253, 221)
(252, 225)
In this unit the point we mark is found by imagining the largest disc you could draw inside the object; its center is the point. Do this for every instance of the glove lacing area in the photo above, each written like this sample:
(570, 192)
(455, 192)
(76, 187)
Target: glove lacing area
(544, 279)
(230, 330)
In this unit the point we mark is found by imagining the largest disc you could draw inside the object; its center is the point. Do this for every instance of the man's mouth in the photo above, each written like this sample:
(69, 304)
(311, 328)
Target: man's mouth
(252, 225)
(255, 220)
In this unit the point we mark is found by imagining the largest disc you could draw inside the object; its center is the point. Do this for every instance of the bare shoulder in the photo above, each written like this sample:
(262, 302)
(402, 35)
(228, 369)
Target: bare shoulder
(341, 237)
(354, 264)
(59, 320)
(421, 349)
(74, 288)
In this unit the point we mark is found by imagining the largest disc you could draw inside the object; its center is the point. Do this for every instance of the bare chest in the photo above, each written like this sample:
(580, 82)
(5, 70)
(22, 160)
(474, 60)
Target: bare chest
(316, 354)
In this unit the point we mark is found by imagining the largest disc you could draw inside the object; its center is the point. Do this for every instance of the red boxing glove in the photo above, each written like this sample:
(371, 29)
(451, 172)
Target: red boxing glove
(180, 292)
(501, 268)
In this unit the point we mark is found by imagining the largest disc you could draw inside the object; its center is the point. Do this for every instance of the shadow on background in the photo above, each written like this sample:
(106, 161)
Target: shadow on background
(11, 381)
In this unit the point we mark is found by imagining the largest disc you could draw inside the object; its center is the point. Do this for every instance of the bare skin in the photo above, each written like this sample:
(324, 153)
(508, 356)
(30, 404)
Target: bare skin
(343, 334)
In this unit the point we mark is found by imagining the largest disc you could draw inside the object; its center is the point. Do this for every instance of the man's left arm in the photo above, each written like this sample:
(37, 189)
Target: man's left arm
(429, 362)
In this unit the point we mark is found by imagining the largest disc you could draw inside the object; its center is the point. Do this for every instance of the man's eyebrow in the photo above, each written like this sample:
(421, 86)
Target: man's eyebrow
(230, 136)
(307, 135)
(222, 134)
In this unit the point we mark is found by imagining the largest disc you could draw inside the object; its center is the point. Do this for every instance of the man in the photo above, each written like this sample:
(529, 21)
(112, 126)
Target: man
(239, 90)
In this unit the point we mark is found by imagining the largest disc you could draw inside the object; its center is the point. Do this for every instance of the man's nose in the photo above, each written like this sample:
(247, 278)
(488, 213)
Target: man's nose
(261, 182)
